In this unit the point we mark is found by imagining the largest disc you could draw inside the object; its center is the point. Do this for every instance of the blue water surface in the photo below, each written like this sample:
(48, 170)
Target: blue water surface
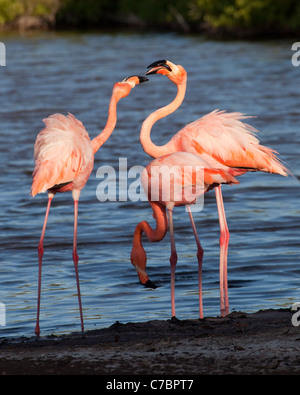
(74, 72)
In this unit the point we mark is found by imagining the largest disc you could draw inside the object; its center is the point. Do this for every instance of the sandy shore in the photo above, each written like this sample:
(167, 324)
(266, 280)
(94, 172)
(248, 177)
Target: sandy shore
(265, 342)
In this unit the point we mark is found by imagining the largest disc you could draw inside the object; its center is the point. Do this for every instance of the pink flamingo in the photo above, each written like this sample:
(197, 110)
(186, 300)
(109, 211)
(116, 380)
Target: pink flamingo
(222, 140)
(171, 180)
(64, 159)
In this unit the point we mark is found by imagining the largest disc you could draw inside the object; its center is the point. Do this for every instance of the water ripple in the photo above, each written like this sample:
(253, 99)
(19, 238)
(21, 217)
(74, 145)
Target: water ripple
(75, 73)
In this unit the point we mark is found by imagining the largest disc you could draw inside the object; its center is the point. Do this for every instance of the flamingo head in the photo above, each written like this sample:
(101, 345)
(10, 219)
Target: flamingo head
(124, 87)
(175, 73)
(139, 259)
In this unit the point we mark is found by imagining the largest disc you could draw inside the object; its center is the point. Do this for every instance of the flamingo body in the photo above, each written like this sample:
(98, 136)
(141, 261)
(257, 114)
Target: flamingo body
(174, 179)
(224, 141)
(187, 175)
(64, 159)
(63, 156)
(219, 138)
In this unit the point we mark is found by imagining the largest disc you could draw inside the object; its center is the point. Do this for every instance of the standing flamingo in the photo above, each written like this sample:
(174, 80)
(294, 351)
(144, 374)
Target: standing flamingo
(64, 158)
(175, 179)
(222, 140)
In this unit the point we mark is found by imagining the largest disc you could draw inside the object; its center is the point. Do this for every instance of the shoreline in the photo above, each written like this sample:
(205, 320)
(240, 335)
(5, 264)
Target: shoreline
(131, 23)
(258, 343)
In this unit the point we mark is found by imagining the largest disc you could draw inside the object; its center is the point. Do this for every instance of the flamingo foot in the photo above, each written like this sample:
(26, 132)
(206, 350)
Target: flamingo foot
(37, 330)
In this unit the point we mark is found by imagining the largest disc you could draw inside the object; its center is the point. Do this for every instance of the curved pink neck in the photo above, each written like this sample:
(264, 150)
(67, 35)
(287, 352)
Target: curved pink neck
(149, 147)
(98, 141)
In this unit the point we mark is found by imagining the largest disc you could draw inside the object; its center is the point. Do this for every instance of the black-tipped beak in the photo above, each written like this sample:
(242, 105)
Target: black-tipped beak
(137, 79)
(142, 79)
(149, 284)
(158, 65)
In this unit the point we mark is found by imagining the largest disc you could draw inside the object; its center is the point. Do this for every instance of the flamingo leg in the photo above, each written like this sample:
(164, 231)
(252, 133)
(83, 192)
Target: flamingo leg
(200, 253)
(224, 241)
(40, 254)
(75, 260)
(173, 260)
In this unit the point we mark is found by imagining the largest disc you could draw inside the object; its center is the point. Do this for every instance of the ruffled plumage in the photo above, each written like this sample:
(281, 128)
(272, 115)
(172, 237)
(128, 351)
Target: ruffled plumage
(63, 154)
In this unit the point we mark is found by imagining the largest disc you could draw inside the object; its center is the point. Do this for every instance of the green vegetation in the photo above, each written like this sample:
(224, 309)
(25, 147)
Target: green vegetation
(10, 10)
(276, 15)
(234, 17)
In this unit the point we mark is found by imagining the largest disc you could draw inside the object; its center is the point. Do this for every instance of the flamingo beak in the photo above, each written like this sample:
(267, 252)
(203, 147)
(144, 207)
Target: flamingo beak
(136, 79)
(159, 67)
(149, 284)
(144, 279)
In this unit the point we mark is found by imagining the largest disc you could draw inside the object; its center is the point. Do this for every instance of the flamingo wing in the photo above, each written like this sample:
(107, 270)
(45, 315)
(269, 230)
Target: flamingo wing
(61, 152)
(221, 137)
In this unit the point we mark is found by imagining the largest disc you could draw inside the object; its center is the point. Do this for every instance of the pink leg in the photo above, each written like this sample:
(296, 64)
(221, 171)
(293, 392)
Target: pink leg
(224, 241)
(40, 254)
(173, 261)
(200, 259)
(75, 260)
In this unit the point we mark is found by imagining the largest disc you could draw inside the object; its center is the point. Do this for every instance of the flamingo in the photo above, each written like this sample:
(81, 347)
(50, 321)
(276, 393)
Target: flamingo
(222, 139)
(174, 179)
(64, 158)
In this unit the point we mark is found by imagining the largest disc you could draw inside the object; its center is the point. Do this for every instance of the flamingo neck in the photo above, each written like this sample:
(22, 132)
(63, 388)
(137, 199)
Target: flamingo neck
(98, 141)
(149, 147)
(138, 254)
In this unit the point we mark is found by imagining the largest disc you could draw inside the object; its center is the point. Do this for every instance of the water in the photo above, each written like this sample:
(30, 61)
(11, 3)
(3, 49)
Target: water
(48, 73)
